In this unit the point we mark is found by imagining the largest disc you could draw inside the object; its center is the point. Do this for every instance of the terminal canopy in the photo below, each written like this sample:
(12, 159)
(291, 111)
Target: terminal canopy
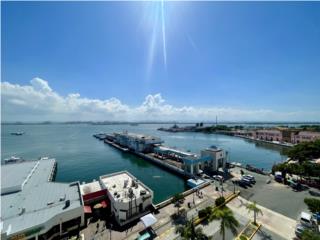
(148, 220)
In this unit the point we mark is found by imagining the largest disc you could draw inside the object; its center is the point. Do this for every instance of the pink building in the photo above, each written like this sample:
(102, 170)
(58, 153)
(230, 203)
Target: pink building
(305, 136)
(268, 135)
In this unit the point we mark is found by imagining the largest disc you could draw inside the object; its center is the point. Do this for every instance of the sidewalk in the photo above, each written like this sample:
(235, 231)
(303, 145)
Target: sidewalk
(273, 221)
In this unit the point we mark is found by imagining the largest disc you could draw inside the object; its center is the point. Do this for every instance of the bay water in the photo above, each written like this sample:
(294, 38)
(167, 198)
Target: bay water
(81, 157)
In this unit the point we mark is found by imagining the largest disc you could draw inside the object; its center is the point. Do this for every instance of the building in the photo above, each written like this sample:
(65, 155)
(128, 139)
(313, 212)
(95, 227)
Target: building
(268, 135)
(210, 160)
(216, 158)
(34, 207)
(136, 142)
(129, 198)
(305, 136)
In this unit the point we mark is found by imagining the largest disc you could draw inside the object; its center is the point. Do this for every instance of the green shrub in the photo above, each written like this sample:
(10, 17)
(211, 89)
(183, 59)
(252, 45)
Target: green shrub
(219, 201)
(203, 213)
(313, 204)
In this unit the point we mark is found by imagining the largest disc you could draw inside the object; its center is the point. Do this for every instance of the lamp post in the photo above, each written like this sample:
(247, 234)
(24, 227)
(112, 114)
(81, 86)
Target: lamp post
(193, 197)
(221, 183)
(234, 186)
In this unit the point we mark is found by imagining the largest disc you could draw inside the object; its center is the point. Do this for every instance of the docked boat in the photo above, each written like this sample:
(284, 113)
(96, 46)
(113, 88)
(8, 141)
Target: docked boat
(13, 159)
(17, 133)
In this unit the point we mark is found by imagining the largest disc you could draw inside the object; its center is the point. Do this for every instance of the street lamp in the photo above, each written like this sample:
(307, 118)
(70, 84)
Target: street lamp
(234, 186)
(221, 183)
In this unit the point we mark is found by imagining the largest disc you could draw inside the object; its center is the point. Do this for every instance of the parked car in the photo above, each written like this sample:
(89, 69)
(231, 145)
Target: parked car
(314, 193)
(240, 183)
(217, 177)
(316, 216)
(246, 181)
(306, 219)
(250, 178)
(299, 230)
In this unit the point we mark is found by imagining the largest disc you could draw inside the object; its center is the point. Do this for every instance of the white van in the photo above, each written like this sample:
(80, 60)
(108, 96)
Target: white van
(306, 219)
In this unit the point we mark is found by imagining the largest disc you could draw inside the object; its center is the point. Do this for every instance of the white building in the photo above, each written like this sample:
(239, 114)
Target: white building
(211, 159)
(136, 142)
(34, 207)
(216, 158)
(129, 198)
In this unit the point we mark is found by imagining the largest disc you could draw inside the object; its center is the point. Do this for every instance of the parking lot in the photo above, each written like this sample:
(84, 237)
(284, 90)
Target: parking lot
(275, 196)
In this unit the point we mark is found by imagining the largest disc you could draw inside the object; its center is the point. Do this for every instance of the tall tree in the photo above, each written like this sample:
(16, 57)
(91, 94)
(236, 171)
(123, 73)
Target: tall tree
(189, 231)
(227, 220)
(252, 207)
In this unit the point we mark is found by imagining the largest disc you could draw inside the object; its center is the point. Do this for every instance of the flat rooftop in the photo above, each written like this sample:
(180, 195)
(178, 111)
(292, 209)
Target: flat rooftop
(176, 151)
(91, 187)
(138, 136)
(38, 200)
(119, 185)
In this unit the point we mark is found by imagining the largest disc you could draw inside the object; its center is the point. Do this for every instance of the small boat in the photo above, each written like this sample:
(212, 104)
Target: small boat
(17, 133)
(13, 159)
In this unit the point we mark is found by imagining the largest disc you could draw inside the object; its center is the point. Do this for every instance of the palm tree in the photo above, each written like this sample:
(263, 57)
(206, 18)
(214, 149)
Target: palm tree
(188, 231)
(225, 215)
(252, 207)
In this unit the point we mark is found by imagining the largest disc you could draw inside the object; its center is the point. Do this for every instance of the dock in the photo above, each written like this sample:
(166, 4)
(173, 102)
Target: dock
(124, 149)
(151, 148)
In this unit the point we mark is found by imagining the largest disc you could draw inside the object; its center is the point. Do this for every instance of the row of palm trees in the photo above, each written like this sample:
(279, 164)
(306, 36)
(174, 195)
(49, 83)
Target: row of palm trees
(226, 218)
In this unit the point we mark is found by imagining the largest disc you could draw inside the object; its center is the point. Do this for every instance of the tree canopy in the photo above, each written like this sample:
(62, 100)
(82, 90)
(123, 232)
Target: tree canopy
(313, 204)
(305, 151)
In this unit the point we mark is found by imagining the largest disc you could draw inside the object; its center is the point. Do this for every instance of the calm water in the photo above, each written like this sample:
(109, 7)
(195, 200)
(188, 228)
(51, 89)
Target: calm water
(82, 157)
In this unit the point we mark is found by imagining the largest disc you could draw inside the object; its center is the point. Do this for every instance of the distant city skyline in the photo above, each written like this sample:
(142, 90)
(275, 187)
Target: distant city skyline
(160, 61)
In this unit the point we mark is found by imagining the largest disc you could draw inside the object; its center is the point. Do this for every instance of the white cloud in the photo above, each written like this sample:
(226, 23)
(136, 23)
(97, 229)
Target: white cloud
(39, 102)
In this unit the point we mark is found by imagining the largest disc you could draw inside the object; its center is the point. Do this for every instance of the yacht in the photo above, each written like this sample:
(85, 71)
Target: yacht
(17, 133)
(13, 159)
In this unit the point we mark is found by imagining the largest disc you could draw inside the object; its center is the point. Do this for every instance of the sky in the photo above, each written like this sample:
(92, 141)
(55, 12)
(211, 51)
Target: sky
(177, 61)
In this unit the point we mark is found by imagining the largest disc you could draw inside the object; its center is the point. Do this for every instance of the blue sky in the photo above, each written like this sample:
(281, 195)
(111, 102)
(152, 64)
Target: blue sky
(247, 57)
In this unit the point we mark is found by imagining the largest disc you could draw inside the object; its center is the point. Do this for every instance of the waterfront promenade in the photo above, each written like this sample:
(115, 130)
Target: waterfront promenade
(274, 225)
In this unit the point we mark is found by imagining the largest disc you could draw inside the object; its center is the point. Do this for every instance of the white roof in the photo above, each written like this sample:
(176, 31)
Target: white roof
(148, 220)
(120, 184)
(306, 216)
(91, 187)
(38, 200)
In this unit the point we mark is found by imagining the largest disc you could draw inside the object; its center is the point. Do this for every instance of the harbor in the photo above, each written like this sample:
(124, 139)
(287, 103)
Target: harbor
(81, 157)
(116, 202)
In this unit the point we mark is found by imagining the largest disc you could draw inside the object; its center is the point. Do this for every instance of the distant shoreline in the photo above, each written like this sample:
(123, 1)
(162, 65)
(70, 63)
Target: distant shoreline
(155, 122)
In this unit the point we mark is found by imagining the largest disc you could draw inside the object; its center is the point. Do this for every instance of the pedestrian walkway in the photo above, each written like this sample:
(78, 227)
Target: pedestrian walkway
(273, 221)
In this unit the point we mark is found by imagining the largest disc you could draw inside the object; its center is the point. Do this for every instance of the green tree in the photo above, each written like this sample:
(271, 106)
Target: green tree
(310, 235)
(189, 231)
(305, 151)
(227, 220)
(219, 201)
(204, 213)
(313, 204)
(252, 207)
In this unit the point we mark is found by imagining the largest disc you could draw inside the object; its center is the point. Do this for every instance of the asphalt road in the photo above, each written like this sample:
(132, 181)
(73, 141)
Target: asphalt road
(275, 196)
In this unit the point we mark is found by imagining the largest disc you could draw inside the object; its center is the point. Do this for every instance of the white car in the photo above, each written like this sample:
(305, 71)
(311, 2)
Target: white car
(217, 177)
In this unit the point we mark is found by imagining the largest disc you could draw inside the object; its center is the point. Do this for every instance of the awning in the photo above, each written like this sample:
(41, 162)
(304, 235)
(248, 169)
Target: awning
(87, 209)
(104, 204)
(148, 220)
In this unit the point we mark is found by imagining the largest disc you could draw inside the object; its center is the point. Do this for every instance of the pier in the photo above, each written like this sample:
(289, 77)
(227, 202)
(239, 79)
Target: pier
(150, 148)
